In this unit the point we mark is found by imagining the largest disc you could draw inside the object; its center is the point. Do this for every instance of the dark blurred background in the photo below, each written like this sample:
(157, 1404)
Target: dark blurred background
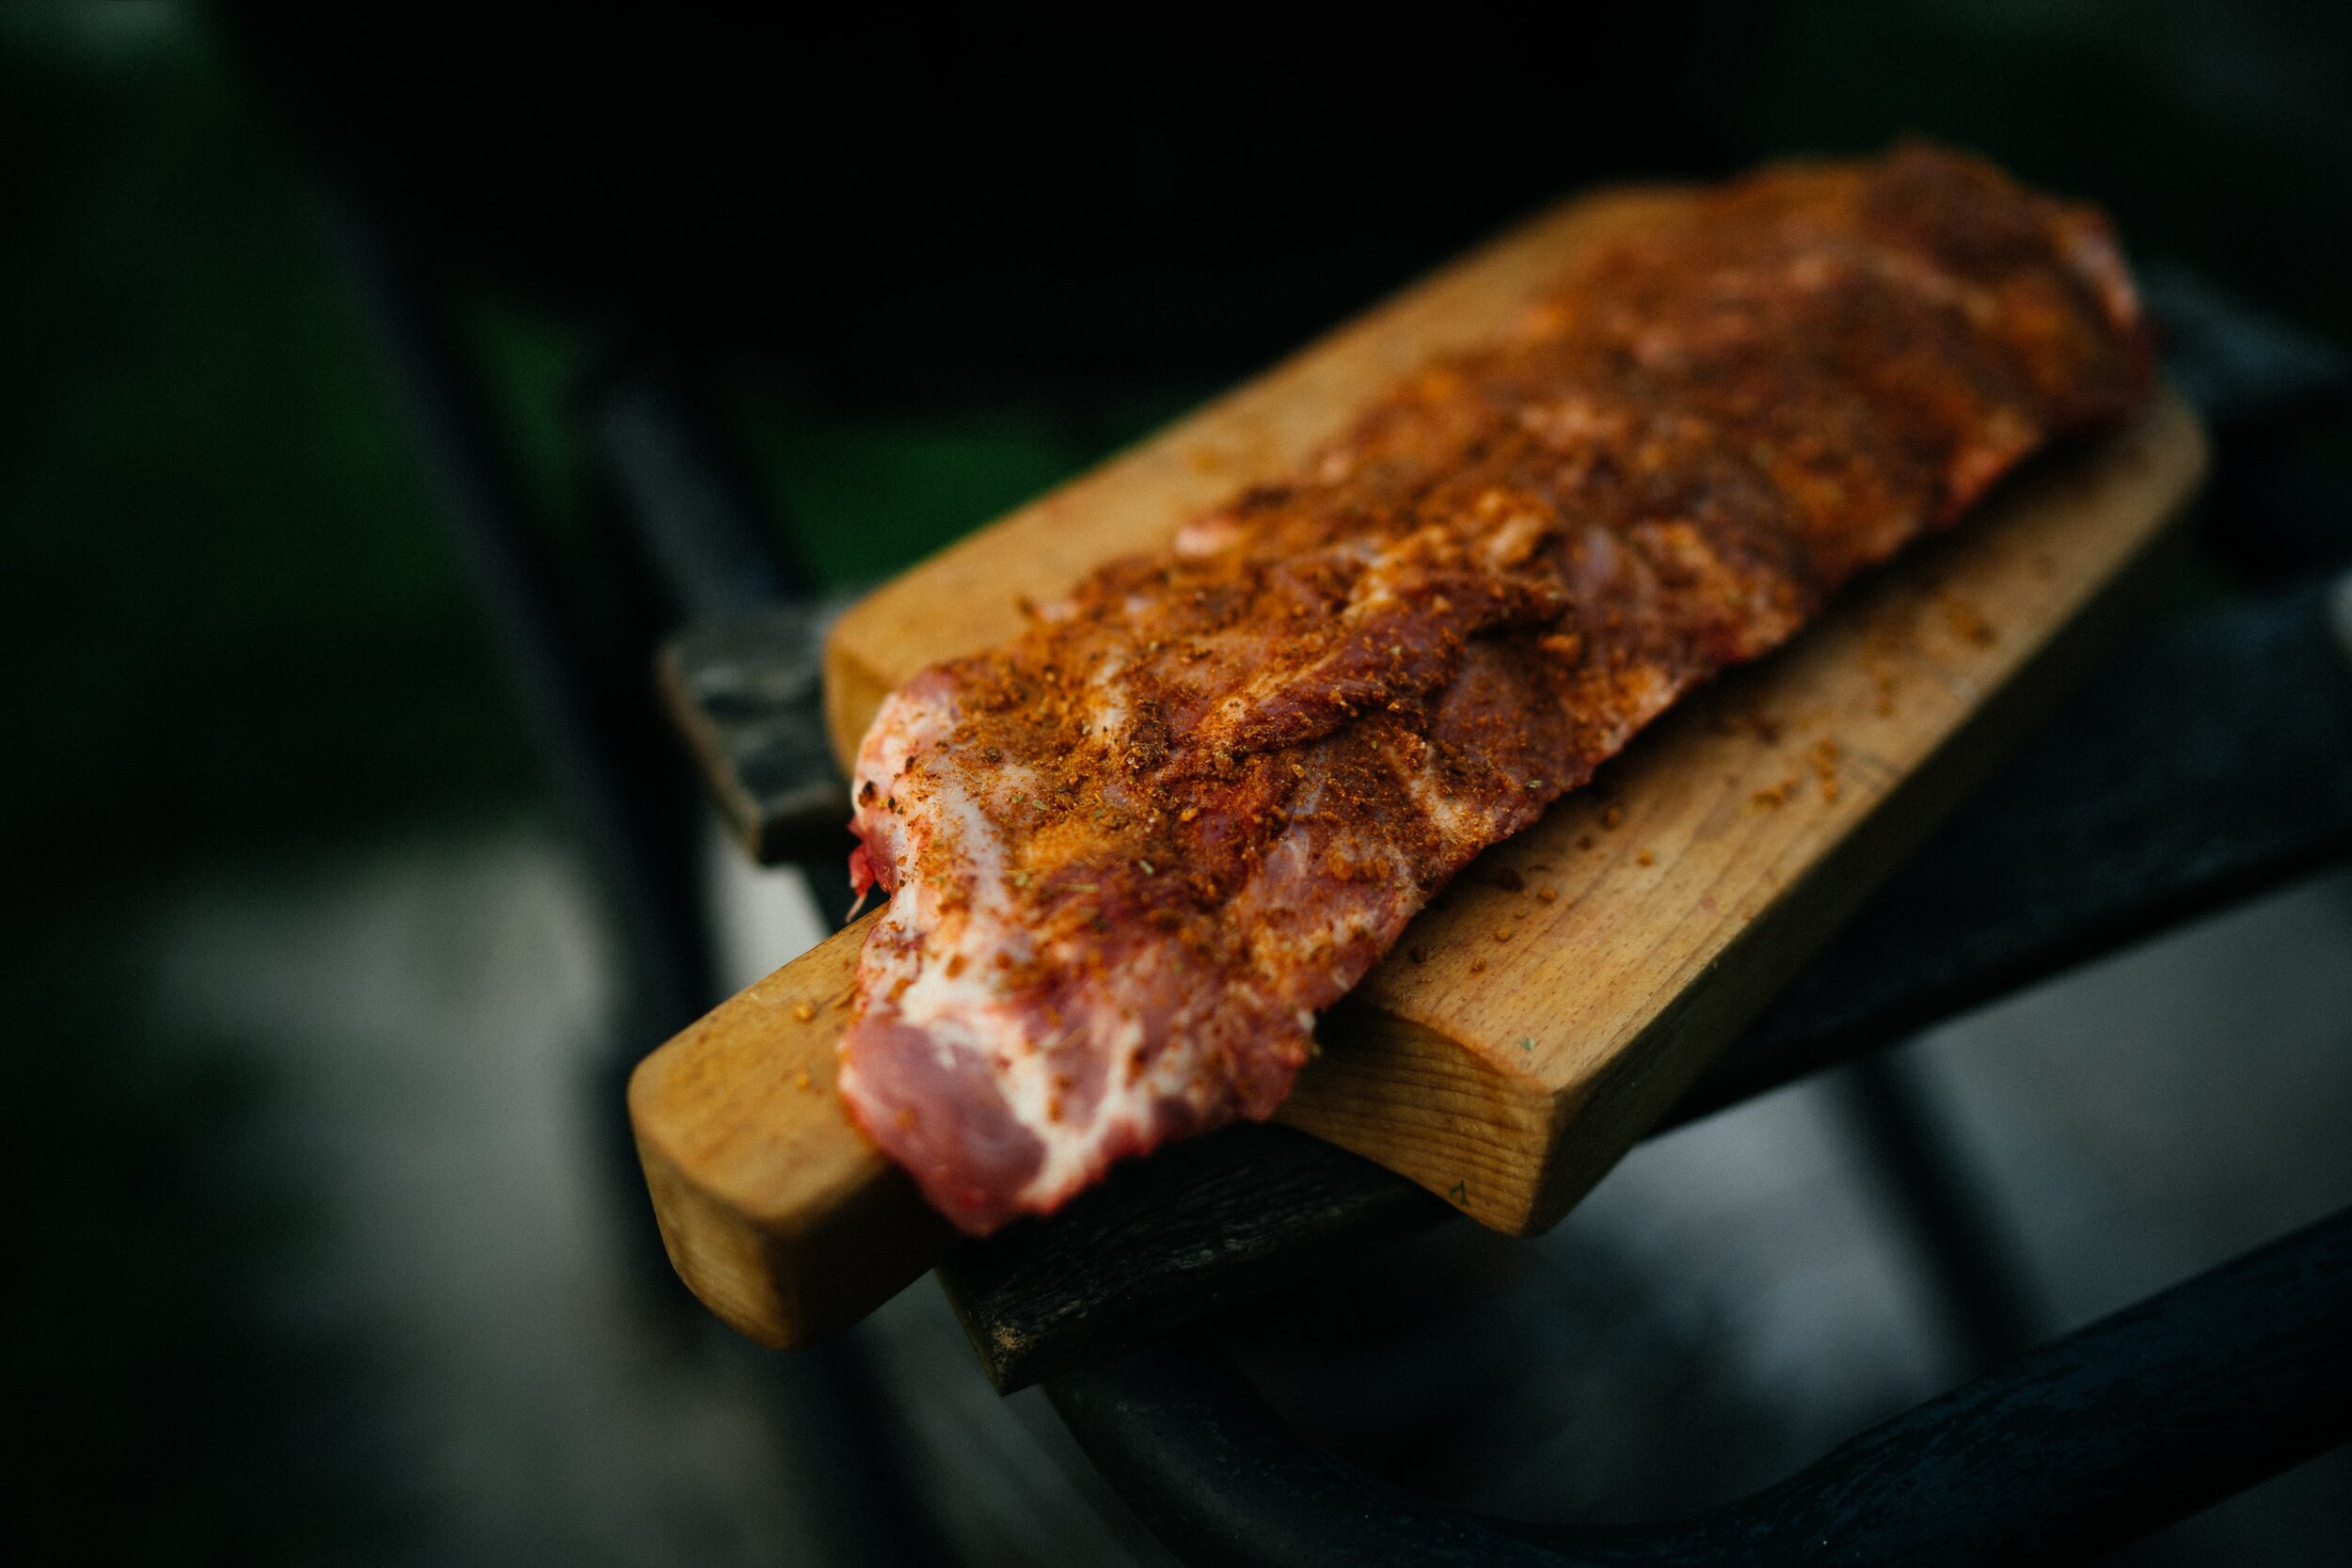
(322, 1246)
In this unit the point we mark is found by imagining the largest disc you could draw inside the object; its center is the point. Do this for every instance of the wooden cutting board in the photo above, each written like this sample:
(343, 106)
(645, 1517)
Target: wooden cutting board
(1560, 995)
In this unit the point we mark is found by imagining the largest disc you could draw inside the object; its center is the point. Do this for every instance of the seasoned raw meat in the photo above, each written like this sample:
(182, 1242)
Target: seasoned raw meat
(1131, 854)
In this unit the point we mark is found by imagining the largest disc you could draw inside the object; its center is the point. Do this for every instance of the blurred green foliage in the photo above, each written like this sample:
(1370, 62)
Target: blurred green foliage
(225, 618)
(868, 494)
(230, 618)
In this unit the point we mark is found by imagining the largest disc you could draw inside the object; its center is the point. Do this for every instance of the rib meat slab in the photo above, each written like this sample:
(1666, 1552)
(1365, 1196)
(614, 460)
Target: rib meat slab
(1131, 854)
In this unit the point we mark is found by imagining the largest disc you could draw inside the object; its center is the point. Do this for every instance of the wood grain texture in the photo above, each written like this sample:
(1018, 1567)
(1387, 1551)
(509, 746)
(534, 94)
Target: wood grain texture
(1574, 980)
(775, 1210)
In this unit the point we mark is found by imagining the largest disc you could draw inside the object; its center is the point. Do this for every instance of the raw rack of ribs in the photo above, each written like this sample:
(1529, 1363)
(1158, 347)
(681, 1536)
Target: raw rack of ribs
(1131, 854)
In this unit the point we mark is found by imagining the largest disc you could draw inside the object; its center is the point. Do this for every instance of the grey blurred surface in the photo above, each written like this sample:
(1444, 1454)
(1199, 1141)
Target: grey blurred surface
(1731, 1301)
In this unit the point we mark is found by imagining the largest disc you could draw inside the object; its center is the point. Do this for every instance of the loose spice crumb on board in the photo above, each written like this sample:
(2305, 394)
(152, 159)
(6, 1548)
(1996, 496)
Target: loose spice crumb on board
(1816, 741)
(688, 1091)
(1967, 622)
(2090, 538)
(1827, 754)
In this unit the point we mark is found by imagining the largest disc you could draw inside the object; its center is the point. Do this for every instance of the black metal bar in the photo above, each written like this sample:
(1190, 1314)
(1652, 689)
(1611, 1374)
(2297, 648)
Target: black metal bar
(1948, 1217)
(1198, 1226)
(688, 489)
(547, 660)
(743, 681)
(620, 793)
(2093, 1440)
(743, 677)
(2211, 759)
(747, 692)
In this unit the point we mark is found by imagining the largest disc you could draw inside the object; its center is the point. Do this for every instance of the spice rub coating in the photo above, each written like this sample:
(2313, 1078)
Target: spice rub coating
(1131, 854)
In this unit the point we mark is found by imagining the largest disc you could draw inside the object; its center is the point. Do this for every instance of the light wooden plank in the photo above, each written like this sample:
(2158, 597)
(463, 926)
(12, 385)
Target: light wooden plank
(775, 1210)
(1539, 1039)
(1690, 882)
